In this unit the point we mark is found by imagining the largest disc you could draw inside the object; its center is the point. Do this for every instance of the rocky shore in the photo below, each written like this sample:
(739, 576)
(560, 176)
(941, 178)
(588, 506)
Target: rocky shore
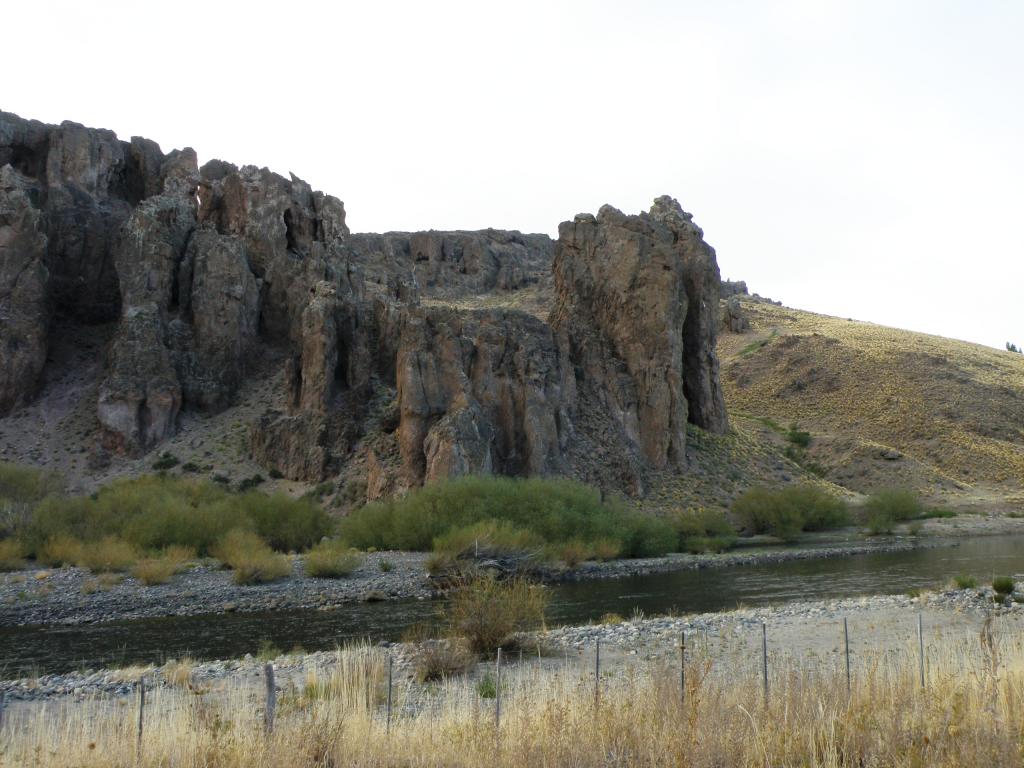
(805, 629)
(71, 596)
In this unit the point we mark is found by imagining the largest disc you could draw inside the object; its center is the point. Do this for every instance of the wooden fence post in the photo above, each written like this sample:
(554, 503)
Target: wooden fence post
(391, 664)
(764, 657)
(682, 667)
(920, 646)
(268, 715)
(846, 641)
(142, 708)
(597, 675)
(497, 695)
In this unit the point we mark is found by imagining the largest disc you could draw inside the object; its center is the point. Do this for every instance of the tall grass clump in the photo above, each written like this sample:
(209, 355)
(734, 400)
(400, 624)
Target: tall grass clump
(554, 511)
(108, 555)
(488, 613)
(332, 560)
(160, 569)
(250, 559)
(12, 555)
(786, 512)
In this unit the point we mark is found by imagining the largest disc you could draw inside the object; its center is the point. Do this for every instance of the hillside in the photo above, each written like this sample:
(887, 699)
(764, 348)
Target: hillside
(884, 406)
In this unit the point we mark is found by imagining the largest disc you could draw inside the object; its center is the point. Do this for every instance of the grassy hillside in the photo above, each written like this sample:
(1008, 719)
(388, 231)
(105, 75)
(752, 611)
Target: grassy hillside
(884, 406)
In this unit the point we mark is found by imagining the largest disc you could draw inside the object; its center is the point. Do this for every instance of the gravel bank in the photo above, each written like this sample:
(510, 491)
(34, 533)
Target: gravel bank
(70, 596)
(803, 629)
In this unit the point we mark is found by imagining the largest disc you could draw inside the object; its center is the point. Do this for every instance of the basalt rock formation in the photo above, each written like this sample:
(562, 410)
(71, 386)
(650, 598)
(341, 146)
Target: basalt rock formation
(398, 357)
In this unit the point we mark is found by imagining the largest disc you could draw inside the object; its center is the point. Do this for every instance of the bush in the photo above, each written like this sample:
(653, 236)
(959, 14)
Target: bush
(332, 560)
(157, 512)
(250, 482)
(60, 551)
(21, 488)
(489, 613)
(165, 462)
(436, 659)
(287, 524)
(109, 555)
(554, 510)
(572, 553)
(798, 437)
(703, 530)
(492, 536)
(899, 504)
(252, 561)
(964, 581)
(786, 512)
(386, 566)
(158, 570)
(1003, 585)
(12, 556)
(605, 549)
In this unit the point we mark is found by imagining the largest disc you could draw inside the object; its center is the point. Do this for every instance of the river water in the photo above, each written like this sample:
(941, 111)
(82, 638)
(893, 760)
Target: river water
(37, 650)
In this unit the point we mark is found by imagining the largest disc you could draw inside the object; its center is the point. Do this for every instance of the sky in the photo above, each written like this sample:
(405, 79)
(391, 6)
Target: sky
(862, 159)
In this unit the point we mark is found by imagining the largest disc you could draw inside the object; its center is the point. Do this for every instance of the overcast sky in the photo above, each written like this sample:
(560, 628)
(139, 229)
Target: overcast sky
(862, 159)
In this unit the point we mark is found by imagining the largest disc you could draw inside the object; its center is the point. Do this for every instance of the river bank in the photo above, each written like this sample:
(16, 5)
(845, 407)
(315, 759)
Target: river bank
(73, 596)
(809, 630)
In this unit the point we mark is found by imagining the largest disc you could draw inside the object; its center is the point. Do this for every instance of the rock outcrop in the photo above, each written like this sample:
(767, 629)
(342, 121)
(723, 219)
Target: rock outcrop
(24, 288)
(637, 316)
(402, 357)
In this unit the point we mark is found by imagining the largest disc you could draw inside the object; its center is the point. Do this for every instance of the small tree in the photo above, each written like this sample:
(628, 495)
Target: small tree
(1011, 347)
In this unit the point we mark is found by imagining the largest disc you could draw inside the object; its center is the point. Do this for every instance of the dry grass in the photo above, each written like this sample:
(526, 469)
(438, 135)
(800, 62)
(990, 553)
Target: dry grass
(951, 407)
(332, 560)
(969, 714)
(250, 559)
(12, 556)
(178, 672)
(109, 555)
(158, 570)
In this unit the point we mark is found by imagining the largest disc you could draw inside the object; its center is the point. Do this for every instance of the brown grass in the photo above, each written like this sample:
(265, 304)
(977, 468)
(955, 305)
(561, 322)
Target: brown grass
(12, 557)
(332, 560)
(158, 570)
(951, 407)
(250, 559)
(969, 715)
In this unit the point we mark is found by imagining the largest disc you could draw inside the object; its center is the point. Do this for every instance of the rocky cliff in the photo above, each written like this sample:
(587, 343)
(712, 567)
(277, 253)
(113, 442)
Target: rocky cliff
(393, 363)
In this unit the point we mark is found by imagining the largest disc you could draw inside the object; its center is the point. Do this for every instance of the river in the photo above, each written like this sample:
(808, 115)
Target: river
(37, 650)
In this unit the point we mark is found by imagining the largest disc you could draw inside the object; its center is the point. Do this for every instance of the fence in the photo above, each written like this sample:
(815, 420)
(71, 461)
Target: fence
(363, 681)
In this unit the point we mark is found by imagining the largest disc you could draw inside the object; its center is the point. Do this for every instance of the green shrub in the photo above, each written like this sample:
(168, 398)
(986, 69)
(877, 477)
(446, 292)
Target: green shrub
(494, 536)
(12, 556)
(798, 437)
(21, 488)
(251, 560)
(487, 688)
(964, 581)
(385, 566)
(554, 510)
(1003, 585)
(489, 613)
(572, 553)
(250, 482)
(287, 524)
(156, 512)
(880, 522)
(275, 473)
(605, 549)
(332, 560)
(786, 512)
(703, 530)
(898, 503)
(165, 462)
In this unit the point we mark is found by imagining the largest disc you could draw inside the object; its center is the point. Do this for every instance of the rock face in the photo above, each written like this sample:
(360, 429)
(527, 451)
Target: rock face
(733, 317)
(402, 358)
(637, 317)
(24, 287)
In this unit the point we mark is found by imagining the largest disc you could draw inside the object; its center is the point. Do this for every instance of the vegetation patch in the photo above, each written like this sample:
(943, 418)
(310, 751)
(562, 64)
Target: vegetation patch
(509, 511)
(332, 560)
(250, 559)
(488, 613)
(786, 512)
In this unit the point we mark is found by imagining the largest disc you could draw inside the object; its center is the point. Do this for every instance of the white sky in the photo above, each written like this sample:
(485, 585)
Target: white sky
(863, 159)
